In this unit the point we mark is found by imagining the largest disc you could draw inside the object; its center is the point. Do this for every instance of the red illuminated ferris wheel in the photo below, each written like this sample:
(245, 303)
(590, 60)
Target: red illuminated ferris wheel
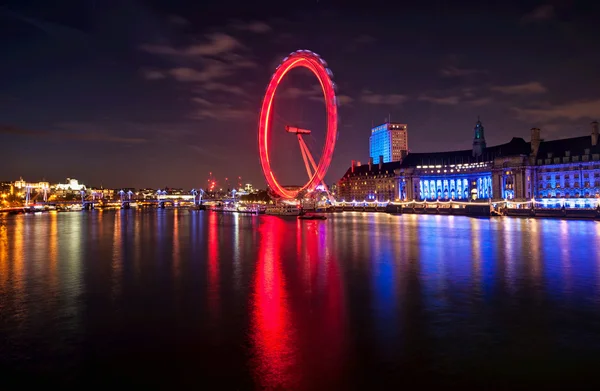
(316, 171)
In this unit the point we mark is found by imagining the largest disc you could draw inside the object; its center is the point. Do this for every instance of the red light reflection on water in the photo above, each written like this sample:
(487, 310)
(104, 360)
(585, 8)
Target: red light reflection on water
(273, 335)
(298, 322)
(214, 298)
(322, 317)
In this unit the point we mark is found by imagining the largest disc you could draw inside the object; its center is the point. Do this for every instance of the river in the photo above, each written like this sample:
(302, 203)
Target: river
(359, 301)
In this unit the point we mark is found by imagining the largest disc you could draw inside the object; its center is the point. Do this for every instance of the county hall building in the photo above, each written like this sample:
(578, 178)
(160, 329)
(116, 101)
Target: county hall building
(518, 170)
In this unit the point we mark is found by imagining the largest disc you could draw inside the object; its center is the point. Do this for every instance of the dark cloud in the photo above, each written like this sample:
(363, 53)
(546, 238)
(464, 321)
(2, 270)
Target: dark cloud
(217, 43)
(178, 20)
(575, 111)
(254, 26)
(82, 136)
(372, 98)
(446, 100)
(541, 13)
(458, 72)
(532, 87)
(364, 39)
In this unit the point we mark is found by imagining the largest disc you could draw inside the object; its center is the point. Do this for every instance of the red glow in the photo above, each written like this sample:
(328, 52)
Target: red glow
(273, 334)
(213, 266)
(313, 62)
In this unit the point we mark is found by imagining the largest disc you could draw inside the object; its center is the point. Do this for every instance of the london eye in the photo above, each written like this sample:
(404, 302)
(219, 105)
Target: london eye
(315, 170)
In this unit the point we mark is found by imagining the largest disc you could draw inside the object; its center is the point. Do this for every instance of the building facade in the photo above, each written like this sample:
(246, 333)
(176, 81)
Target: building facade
(568, 168)
(369, 182)
(517, 170)
(564, 172)
(72, 185)
(21, 184)
(390, 141)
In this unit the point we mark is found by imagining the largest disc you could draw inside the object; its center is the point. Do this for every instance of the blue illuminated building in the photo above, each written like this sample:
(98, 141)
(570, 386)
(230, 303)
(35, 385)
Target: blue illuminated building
(557, 173)
(471, 174)
(388, 141)
(567, 169)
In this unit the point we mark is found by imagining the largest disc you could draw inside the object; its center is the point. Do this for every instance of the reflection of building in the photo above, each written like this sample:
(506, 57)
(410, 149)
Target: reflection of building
(71, 185)
(389, 140)
(372, 182)
(567, 168)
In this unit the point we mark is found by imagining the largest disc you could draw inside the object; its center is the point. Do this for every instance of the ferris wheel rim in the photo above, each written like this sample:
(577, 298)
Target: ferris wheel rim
(313, 62)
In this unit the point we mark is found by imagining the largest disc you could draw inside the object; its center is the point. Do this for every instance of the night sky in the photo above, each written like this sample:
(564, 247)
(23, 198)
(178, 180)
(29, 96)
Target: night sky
(126, 93)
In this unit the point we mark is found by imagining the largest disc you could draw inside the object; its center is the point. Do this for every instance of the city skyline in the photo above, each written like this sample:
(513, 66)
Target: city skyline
(140, 94)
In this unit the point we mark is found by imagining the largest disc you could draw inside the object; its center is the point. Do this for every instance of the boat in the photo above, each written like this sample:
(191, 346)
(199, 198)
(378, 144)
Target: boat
(283, 210)
(235, 210)
(310, 216)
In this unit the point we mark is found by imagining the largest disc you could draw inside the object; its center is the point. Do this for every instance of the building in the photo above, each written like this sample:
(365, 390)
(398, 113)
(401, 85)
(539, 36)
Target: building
(566, 168)
(6, 188)
(101, 192)
(562, 172)
(470, 174)
(71, 185)
(390, 141)
(38, 186)
(372, 182)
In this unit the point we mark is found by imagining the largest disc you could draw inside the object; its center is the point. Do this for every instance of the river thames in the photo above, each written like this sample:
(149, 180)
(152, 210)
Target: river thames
(359, 301)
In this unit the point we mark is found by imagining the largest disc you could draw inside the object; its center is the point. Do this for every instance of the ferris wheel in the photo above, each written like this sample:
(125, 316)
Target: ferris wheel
(316, 170)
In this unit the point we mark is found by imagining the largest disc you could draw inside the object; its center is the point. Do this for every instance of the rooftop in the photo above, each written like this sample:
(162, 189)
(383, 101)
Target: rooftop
(363, 169)
(575, 145)
(516, 146)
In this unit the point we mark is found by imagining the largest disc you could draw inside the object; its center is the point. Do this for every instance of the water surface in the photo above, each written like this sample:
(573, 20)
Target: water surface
(359, 301)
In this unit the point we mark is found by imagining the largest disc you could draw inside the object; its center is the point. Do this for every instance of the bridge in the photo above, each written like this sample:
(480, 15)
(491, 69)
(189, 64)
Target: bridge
(125, 200)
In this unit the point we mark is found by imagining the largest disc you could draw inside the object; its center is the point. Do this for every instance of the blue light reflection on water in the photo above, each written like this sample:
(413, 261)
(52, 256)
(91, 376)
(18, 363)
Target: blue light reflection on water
(385, 297)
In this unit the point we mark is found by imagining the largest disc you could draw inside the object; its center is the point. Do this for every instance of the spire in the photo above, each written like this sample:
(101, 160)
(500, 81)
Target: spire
(478, 138)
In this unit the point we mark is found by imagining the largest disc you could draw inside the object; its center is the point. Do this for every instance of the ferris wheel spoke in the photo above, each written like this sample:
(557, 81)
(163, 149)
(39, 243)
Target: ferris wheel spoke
(304, 157)
(308, 154)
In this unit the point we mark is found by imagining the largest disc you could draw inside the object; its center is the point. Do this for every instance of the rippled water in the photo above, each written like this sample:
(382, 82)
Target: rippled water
(359, 301)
